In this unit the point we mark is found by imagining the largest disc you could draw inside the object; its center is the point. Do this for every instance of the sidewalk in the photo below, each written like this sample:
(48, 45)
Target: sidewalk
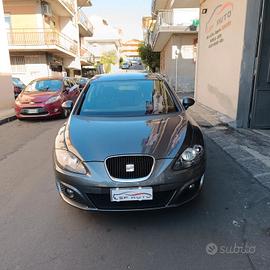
(249, 148)
(7, 116)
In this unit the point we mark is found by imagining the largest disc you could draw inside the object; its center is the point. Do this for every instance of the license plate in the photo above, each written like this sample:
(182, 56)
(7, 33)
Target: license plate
(30, 111)
(131, 194)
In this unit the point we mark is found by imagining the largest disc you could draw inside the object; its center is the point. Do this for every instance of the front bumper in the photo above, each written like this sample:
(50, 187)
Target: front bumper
(92, 192)
(44, 111)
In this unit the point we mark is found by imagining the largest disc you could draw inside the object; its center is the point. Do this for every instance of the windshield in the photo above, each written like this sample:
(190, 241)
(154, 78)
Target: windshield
(82, 81)
(128, 98)
(44, 86)
(17, 82)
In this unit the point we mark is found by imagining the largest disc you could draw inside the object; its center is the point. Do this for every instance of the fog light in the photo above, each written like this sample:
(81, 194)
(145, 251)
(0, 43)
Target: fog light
(191, 186)
(70, 193)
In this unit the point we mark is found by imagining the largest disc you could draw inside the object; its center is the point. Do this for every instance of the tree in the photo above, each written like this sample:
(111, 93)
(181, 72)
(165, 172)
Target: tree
(108, 59)
(149, 58)
(121, 60)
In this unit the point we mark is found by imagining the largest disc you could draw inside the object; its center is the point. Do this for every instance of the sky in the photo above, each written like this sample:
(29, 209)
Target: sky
(124, 14)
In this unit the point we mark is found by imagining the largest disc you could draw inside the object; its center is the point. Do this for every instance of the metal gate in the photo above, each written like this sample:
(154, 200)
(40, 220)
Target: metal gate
(260, 107)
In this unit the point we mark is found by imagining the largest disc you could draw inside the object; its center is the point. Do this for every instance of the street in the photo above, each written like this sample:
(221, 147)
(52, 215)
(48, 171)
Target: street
(39, 231)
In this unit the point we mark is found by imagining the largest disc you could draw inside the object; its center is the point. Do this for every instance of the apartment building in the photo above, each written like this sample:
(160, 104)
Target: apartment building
(46, 38)
(106, 39)
(175, 36)
(130, 48)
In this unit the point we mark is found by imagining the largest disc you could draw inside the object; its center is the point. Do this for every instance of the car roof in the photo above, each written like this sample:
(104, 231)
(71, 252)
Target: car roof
(50, 78)
(128, 76)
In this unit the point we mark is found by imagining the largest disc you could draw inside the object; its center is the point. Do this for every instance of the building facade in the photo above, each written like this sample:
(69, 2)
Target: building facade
(130, 48)
(46, 37)
(233, 74)
(175, 36)
(6, 92)
(106, 39)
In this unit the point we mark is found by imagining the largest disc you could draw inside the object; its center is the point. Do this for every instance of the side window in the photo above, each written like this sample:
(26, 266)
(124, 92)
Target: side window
(163, 102)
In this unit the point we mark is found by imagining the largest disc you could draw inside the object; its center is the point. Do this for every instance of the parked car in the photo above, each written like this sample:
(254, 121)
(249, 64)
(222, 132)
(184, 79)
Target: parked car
(125, 65)
(129, 144)
(134, 62)
(18, 86)
(44, 97)
(82, 81)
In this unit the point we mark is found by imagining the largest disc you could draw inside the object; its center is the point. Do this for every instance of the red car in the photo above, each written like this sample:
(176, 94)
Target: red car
(44, 97)
(18, 86)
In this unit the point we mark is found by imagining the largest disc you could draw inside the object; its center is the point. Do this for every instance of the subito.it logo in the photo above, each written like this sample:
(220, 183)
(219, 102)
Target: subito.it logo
(211, 249)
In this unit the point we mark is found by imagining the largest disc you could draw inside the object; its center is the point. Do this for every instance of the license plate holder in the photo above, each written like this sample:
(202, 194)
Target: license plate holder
(32, 111)
(131, 194)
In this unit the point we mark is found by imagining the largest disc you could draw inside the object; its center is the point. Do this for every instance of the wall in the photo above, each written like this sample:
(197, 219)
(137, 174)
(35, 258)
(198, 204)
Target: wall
(71, 30)
(186, 64)
(24, 14)
(221, 39)
(35, 66)
(6, 90)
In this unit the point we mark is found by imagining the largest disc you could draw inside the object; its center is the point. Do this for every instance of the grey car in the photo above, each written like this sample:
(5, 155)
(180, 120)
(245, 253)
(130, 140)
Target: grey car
(129, 144)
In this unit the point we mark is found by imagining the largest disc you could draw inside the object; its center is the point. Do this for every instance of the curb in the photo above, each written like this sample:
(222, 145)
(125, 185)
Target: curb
(7, 119)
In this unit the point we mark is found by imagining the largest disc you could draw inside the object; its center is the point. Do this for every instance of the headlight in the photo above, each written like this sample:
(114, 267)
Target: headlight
(60, 139)
(52, 100)
(69, 162)
(189, 157)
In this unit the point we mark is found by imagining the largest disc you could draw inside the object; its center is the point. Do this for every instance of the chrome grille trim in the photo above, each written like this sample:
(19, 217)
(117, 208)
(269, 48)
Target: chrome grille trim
(130, 180)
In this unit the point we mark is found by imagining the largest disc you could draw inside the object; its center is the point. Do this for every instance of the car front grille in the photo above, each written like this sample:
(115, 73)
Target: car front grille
(129, 167)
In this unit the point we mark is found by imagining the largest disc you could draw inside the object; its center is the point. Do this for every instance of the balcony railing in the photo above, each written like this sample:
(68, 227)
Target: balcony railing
(70, 4)
(87, 56)
(171, 20)
(85, 21)
(41, 37)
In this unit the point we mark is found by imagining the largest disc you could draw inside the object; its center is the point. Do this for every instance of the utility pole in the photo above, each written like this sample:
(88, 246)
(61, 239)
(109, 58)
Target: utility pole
(176, 72)
(175, 55)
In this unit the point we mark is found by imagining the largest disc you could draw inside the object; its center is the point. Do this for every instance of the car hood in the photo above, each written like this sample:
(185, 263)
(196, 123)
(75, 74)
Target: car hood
(37, 97)
(95, 139)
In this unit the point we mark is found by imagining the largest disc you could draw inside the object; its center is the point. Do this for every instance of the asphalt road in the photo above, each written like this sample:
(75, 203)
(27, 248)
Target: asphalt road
(39, 231)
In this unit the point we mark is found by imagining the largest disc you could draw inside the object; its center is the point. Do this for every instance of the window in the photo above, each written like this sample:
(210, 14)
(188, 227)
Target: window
(17, 64)
(128, 98)
(7, 21)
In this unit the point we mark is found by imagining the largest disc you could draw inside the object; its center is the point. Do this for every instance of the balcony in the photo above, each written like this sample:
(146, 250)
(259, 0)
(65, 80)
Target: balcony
(87, 58)
(41, 40)
(63, 7)
(162, 4)
(84, 3)
(85, 26)
(169, 22)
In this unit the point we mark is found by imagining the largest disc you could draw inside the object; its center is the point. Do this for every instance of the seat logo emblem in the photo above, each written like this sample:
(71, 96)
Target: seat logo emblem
(130, 168)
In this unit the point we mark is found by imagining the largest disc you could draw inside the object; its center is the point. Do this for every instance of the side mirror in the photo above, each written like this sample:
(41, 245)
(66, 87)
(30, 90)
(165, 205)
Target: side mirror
(67, 89)
(67, 105)
(188, 102)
